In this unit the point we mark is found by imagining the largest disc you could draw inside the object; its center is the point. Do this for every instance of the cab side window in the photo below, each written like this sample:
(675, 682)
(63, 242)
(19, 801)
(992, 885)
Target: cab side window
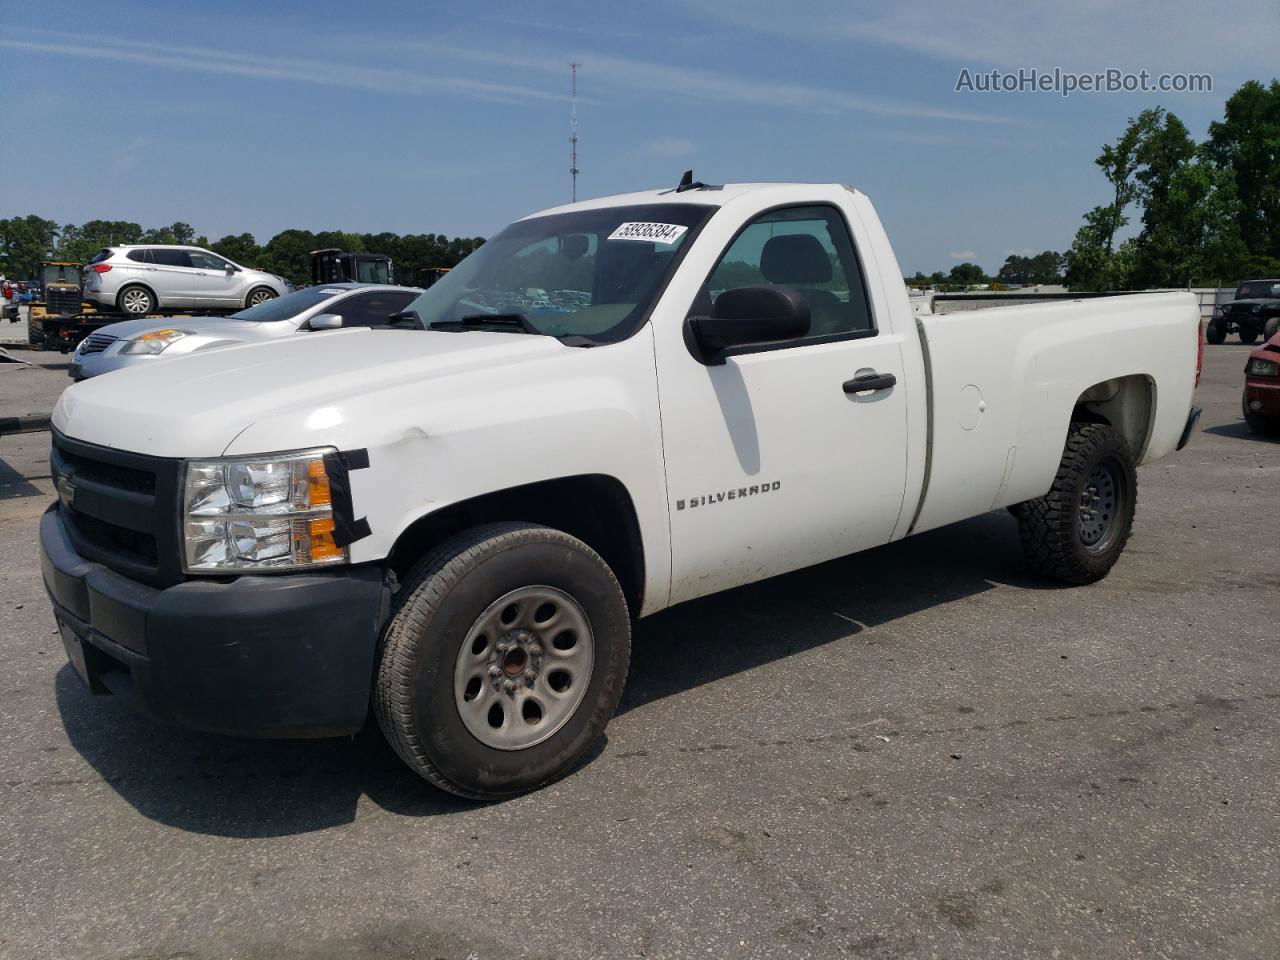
(807, 249)
(371, 309)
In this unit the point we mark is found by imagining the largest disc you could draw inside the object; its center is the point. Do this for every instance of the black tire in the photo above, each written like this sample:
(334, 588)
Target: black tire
(1054, 532)
(1266, 426)
(1271, 329)
(136, 300)
(35, 335)
(1248, 335)
(1215, 333)
(440, 600)
(259, 295)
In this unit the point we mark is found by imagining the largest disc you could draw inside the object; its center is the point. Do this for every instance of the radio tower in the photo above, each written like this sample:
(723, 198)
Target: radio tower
(573, 129)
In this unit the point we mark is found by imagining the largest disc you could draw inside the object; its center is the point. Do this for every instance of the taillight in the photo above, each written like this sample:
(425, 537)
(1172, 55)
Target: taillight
(1199, 352)
(101, 268)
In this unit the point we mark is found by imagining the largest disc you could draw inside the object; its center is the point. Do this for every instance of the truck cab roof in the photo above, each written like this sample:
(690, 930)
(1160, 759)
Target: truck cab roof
(705, 195)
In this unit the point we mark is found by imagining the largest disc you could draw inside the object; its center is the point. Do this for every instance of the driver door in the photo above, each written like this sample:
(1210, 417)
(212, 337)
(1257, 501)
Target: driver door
(771, 464)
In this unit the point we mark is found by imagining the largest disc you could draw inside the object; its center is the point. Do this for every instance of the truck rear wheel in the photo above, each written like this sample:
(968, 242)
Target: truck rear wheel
(1077, 531)
(1248, 335)
(504, 658)
(1272, 328)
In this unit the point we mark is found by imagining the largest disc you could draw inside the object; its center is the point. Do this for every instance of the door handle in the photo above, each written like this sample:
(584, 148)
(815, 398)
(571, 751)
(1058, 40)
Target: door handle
(867, 382)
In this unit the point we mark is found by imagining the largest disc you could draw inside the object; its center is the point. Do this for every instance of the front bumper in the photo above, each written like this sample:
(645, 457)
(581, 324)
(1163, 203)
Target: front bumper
(290, 655)
(1262, 396)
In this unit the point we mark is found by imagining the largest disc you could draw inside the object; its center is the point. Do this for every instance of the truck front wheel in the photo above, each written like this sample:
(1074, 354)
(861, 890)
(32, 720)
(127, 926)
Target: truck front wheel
(1077, 530)
(504, 658)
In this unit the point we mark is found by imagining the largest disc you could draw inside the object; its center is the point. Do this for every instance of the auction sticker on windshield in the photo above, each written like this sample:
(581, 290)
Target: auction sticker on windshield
(651, 232)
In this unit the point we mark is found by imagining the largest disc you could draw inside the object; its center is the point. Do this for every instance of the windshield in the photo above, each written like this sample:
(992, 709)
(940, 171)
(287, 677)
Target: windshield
(288, 306)
(591, 274)
(373, 271)
(1253, 289)
(60, 273)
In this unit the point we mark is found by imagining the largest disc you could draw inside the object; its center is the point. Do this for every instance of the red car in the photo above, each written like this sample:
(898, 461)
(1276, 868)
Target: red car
(1261, 400)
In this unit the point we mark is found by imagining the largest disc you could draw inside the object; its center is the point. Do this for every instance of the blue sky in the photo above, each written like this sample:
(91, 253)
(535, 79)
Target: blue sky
(453, 118)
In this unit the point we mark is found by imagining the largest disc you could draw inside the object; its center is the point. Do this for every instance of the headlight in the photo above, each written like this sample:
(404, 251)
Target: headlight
(1263, 368)
(253, 513)
(154, 341)
(1256, 308)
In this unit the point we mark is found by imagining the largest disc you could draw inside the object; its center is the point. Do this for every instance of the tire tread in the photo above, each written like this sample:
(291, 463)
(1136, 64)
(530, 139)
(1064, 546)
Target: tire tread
(1046, 525)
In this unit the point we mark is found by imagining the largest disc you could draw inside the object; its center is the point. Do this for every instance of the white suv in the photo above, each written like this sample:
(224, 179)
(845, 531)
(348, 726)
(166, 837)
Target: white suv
(140, 279)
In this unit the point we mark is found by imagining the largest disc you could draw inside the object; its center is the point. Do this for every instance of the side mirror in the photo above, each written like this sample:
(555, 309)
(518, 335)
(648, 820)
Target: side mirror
(325, 321)
(745, 316)
(405, 318)
(232, 268)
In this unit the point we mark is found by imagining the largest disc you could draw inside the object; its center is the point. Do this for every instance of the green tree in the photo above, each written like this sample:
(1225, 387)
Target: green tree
(966, 274)
(243, 249)
(25, 241)
(1246, 144)
(1193, 234)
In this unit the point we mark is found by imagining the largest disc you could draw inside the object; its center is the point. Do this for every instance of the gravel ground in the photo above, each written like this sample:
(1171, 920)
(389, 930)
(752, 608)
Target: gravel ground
(920, 751)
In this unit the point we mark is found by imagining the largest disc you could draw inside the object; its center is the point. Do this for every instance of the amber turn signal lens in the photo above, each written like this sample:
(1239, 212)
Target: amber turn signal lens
(320, 530)
(318, 484)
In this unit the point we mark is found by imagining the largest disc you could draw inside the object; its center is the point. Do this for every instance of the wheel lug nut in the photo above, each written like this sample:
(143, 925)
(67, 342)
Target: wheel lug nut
(529, 677)
(494, 671)
(503, 647)
(535, 648)
(510, 686)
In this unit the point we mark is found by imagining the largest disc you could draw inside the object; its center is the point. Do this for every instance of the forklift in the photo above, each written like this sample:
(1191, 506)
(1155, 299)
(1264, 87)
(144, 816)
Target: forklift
(332, 265)
(61, 294)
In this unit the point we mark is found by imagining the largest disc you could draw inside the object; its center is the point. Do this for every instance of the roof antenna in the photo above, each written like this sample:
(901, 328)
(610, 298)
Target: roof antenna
(688, 183)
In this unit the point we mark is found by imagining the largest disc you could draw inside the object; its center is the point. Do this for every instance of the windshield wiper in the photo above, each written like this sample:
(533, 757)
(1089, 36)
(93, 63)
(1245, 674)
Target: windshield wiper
(514, 321)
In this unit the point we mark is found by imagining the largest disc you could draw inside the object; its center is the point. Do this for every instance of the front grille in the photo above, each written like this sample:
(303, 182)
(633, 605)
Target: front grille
(96, 343)
(120, 509)
(64, 301)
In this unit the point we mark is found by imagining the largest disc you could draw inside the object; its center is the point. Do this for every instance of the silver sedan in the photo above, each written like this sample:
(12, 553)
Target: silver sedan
(327, 307)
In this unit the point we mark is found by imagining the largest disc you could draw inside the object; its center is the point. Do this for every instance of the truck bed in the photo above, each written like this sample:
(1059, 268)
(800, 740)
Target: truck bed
(1003, 382)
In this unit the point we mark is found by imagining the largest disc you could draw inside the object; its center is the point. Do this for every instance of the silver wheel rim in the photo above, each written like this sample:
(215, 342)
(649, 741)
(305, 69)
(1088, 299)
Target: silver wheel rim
(523, 668)
(136, 301)
(260, 296)
(1101, 502)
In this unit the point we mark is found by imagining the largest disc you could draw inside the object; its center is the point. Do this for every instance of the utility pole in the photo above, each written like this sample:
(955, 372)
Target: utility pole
(573, 130)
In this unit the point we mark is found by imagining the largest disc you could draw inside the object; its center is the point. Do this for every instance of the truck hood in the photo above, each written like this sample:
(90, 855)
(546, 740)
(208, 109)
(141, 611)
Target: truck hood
(195, 405)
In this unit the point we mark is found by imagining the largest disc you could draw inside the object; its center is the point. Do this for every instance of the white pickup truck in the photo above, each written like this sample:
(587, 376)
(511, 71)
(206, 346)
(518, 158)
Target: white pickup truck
(609, 408)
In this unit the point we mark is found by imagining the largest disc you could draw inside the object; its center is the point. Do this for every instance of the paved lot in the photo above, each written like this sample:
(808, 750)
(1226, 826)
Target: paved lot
(917, 752)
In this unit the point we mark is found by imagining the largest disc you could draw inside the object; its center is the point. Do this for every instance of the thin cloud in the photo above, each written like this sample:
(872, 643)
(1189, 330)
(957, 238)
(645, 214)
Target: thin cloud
(669, 147)
(964, 255)
(322, 73)
(565, 27)
(1182, 35)
(690, 83)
